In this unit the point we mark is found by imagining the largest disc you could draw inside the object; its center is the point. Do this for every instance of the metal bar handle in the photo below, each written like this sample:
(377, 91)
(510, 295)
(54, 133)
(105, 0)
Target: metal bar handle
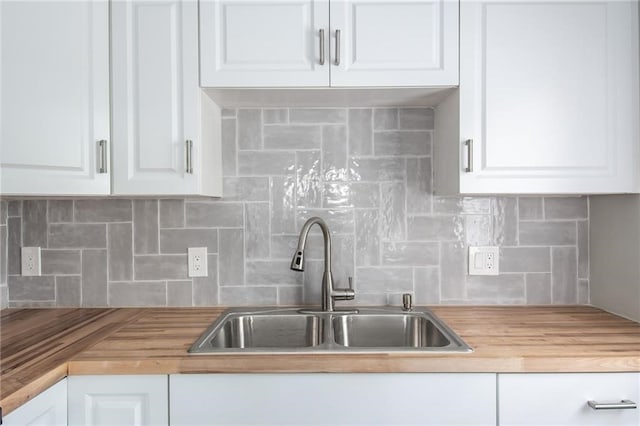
(625, 404)
(469, 144)
(337, 62)
(321, 47)
(102, 145)
(189, 156)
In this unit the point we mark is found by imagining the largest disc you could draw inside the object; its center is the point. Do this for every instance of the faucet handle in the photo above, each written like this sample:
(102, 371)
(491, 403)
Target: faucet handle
(344, 293)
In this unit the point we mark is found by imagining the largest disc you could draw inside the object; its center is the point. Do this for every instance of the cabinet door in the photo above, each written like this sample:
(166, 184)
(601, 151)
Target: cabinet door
(391, 43)
(561, 399)
(47, 409)
(333, 399)
(265, 43)
(54, 108)
(549, 96)
(118, 400)
(155, 96)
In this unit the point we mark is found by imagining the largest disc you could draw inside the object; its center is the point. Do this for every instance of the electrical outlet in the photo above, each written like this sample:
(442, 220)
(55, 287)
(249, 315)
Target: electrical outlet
(197, 261)
(31, 261)
(484, 260)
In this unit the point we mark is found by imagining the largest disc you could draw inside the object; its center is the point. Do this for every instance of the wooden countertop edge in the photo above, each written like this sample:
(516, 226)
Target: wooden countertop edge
(354, 364)
(30, 390)
(21, 391)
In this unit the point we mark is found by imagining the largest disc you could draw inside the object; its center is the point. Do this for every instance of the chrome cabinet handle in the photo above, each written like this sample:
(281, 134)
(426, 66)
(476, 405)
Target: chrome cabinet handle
(321, 47)
(469, 144)
(625, 404)
(337, 61)
(102, 147)
(189, 156)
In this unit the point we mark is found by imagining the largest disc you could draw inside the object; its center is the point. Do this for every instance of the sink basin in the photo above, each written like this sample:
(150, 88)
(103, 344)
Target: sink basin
(394, 330)
(248, 330)
(269, 331)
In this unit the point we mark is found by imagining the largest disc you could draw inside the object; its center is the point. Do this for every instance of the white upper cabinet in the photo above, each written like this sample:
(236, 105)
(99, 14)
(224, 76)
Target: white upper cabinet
(159, 144)
(391, 43)
(548, 100)
(267, 43)
(321, 43)
(54, 103)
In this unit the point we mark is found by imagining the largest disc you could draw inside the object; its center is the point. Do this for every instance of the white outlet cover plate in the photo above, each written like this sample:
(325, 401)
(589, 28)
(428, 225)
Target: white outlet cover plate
(197, 258)
(484, 260)
(31, 262)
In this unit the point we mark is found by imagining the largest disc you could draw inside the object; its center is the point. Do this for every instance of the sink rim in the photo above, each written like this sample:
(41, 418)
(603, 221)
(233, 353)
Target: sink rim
(328, 342)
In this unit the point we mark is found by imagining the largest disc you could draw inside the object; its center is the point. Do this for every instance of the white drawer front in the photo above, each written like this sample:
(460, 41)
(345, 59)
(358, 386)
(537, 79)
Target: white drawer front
(561, 399)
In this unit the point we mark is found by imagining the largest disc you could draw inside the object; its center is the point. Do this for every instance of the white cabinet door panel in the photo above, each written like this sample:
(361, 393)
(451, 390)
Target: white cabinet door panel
(266, 43)
(333, 399)
(46, 409)
(54, 79)
(389, 43)
(549, 96)
(118, 400)
(155, 95)
(561, 399)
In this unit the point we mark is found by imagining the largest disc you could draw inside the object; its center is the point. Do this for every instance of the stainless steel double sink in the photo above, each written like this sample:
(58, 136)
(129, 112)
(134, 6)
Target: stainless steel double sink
(295, 330)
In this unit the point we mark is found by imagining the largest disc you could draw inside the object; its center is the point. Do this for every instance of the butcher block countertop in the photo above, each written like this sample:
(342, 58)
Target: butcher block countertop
(40, 346)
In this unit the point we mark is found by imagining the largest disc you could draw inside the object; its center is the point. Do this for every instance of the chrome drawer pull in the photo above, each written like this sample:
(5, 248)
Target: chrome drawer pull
(189, 156)
(469, 144)
(102, 167)
(321, 47)
(625, 404)
(337, 61)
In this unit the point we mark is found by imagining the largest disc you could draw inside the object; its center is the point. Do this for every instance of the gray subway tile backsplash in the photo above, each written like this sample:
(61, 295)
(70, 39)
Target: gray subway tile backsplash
(34, 223)
(145, 227)
(152, 293)
(366, 171)
(548, 233)
(566, 208)
(60, 211)
(77, 235)
(120, 251)
(205, 289)
(564, 279)
(177, 241)
(164, 266)
(402, 143)
(94, 278)
(171, 214)
(317, 115)
(103, 210)
(360, 132)
(208, 215)
(68, 291)
(416, 118)
(292, 137)
(249, 129)
(229, 148)
(60, 262)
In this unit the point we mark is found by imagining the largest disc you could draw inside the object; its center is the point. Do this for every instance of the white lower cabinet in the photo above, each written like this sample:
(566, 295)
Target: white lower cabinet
(47, 409)
(332, 399)
(118, 400)
(561, 399)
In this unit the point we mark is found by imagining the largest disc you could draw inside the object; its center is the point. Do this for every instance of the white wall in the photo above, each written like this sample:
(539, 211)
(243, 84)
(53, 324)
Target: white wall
(615, 254)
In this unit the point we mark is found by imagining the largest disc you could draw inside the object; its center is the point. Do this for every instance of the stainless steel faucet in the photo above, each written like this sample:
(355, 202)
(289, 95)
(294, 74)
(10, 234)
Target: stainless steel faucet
(329, 294)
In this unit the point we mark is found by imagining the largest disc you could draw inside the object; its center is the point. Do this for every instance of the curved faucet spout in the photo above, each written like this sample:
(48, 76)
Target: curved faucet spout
(329, 294)
(297, 263)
